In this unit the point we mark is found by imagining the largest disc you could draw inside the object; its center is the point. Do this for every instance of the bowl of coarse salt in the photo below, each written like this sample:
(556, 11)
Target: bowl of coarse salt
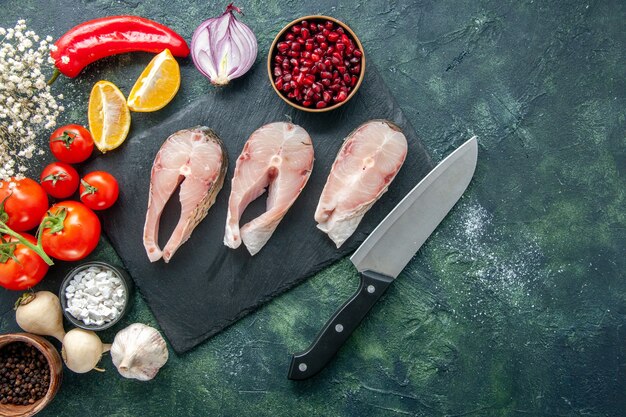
(95, 295)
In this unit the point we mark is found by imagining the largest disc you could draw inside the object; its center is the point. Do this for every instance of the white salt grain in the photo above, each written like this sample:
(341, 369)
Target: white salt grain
(95, 296)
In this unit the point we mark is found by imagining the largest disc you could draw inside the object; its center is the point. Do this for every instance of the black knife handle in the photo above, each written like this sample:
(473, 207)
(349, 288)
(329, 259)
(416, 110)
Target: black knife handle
(339, 328)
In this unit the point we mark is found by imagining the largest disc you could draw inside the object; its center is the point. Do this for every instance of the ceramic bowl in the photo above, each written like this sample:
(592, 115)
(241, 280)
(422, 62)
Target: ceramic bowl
(56, 373)
(127, 282)
(272, 53)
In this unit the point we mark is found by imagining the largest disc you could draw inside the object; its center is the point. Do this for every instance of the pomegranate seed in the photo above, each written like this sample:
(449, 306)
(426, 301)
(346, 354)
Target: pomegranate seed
(345, 38)
(340, 46)
(301, 40)
(309, 93)
(355, 69)
(286, 87)
(350, 49)
(317, 97)
(305, 34)
(333, 36)
(329, 25)
(320, 38)
(305, 55)
(355, 60)
(327, 96)
(354, 80)
(341, 96)
(320, 27)
(320, 104)
(315, 57)
(340, 30)
(341, 69)
(335, 61)
(296, 71)
(326, 74)
(287, 77)
(328, 62)
(321, 66)
(291, 95)
(294, 62)
(304, 24)
(285, 64)
(325, 82)
(290, 36)
(304, 70)
(293, 54)
(279, 58)
(335, 74)
(279, 83)
(295, 46)
(326, 32)
(347, 78)
(338, 55)
(313, 70)
(323, 46)
(277, 71)
(307, 103)
(309, 46)
(306, 63)
(334, 87)
(318, 51)
(357, 53)
(299, 79)
(309, 79)
(296, 29)
(282, 46)
(317, 87)
(330, 50)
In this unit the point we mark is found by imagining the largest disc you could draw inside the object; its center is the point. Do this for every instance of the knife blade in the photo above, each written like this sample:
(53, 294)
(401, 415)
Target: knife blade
(387, 250)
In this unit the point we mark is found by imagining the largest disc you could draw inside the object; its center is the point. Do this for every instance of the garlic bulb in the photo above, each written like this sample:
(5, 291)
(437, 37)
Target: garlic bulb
(139, 351)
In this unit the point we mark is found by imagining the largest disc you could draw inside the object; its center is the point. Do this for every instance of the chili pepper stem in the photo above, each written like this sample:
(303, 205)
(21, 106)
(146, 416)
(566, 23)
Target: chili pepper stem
(54, 77)
(36, 248)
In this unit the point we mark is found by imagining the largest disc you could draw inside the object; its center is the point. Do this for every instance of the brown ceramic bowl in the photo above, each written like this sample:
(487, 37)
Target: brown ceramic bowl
(273, 52)
(56, 372)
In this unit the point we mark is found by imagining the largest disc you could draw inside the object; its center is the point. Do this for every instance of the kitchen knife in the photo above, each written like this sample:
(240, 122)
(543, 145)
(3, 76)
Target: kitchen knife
(387, 250)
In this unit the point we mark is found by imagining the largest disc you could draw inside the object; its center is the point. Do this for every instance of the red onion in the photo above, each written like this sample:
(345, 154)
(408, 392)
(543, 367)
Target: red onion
(223, 48)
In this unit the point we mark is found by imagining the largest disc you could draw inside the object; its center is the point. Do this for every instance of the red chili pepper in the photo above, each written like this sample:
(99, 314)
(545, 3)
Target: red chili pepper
(99, 38)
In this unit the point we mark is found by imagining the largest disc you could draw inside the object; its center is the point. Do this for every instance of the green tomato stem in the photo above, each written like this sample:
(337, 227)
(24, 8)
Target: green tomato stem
(38, 249)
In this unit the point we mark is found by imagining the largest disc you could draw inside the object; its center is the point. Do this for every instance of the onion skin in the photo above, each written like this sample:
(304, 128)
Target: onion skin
(223, 48)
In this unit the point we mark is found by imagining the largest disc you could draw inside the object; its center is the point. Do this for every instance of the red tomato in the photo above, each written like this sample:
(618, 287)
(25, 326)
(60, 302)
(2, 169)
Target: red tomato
(72, 144)
(24, 269)
(59, 179)
(25, 206)
(99, 190)
(71, 231)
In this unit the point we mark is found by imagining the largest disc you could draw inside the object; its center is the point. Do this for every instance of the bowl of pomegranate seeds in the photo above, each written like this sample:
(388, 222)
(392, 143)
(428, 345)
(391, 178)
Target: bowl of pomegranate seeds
(316, 63)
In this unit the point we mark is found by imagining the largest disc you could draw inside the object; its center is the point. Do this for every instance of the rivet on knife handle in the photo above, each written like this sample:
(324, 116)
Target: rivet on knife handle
(339, 328)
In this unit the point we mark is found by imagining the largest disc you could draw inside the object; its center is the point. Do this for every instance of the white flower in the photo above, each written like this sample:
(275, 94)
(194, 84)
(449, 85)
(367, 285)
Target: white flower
(27, 106)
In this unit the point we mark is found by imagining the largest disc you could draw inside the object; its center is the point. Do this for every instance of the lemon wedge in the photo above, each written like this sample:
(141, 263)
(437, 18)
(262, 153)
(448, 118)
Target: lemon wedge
(157, 85)
(109, 118)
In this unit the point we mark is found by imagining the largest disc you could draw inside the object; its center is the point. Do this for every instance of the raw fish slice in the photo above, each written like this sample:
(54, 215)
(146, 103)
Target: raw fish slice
(368, 161)
(197, 158)
(278, 156)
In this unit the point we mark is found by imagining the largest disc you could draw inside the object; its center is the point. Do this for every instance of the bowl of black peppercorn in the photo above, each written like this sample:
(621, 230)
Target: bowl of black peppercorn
(30, 374)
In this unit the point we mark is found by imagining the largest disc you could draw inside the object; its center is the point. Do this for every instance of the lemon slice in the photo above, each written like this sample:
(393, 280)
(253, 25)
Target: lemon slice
(109, 118)
(157, 85)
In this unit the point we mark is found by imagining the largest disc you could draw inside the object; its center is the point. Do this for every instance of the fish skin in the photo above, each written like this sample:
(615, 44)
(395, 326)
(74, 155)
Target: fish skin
(360, 175)
(195, 159)
(278, 156)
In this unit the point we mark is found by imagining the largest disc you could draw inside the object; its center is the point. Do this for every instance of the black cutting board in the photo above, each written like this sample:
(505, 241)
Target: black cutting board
(207, 286)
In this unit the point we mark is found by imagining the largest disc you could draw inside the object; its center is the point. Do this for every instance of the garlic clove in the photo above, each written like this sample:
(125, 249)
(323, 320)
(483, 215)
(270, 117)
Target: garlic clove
(138, 352)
